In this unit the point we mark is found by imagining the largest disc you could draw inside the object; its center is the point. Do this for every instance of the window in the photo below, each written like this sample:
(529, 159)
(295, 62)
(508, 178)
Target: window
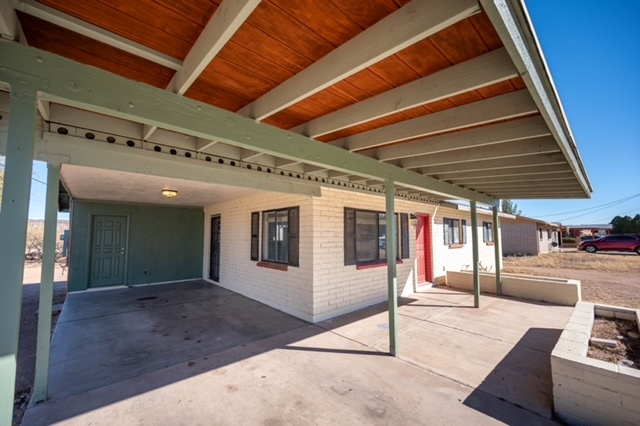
(548, 233)
(365, 236)
(455, 231)
(540, 231)
(487, 232)
(280, 236)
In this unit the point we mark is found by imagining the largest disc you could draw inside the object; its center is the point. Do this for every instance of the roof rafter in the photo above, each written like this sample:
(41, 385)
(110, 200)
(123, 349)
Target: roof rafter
(524, 128)
(61, 19)
(531, 161)
(524, 171)
(503, 151)
(510, 105)
(490, 68)
(406, 26)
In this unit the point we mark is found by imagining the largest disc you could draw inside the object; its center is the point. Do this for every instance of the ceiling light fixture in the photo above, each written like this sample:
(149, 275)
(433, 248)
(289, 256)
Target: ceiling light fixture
(169, 193)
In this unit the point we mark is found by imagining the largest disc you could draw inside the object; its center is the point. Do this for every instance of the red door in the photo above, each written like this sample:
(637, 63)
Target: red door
(423, 250)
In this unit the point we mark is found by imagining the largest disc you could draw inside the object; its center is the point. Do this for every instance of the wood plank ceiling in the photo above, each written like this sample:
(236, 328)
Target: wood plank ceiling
(460, 111)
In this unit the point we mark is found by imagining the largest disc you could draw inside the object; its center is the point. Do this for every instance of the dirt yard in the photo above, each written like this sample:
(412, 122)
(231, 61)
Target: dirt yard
(609, 278)
(29, 332)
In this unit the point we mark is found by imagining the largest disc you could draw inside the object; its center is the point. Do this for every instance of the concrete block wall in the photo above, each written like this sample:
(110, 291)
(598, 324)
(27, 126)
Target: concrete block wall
(447, 258)
(558, 291)
(588, 391)
(340, 288)
(519, 238)
(290, 291)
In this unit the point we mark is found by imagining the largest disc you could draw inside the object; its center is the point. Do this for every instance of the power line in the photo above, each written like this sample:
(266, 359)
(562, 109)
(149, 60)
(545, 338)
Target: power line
(637, 209)
(610, 204)
(37, 180)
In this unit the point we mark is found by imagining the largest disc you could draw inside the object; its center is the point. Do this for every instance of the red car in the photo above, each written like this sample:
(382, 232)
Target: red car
(612, 243)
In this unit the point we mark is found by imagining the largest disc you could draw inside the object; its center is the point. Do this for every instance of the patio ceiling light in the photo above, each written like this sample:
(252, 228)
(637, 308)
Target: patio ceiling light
(169, 193)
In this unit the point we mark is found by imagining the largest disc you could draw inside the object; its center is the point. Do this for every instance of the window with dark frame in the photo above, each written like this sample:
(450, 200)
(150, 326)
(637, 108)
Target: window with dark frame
(365, 236)
(540, 231)
(487, 232)
(280, 240)
(455, 231)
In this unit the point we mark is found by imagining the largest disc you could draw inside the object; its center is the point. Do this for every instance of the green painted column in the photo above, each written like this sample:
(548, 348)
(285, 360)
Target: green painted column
(13, 229)
(46, 285)
(392, 278)
(476, 254)
(497, 246)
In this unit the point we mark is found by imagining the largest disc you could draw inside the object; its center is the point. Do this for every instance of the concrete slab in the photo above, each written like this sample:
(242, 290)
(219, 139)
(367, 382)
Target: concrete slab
(215, 357)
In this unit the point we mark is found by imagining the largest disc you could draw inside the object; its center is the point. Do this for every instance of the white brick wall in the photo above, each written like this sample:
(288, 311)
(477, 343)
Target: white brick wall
(322, 286)
(519, 238)
(289, 291)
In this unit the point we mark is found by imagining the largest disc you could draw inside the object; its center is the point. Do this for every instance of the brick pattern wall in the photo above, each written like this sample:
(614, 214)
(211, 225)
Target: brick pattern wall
(519, 238)
(322, 286)
(289, 291)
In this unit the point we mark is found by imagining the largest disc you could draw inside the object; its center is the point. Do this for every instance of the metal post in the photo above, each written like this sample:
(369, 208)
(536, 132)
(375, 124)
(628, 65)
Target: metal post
(497, 246)
(13, 229)
(476, 254)
(46, 285)
(392, 279)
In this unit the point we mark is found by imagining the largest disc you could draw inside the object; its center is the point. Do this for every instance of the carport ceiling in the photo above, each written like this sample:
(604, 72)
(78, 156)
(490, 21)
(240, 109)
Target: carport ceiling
(454, 90)
(108, 185)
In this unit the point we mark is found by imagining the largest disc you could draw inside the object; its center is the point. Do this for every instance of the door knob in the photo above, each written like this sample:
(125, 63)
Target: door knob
(122, 250)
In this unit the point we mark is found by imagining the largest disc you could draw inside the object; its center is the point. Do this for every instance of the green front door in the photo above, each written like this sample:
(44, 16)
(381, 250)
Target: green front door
(108, 246)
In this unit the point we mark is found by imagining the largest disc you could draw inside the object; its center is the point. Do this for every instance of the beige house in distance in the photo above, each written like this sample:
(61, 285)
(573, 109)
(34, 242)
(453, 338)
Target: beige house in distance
(525, 236)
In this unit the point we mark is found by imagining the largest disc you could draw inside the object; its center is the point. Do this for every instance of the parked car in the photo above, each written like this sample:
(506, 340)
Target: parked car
(612, 243)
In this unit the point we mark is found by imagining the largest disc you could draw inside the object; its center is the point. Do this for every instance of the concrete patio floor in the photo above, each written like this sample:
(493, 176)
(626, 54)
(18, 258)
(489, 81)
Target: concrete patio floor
(195, 353)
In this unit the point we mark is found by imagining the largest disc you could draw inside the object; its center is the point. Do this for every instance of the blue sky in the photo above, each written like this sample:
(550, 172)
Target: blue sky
(593, 51)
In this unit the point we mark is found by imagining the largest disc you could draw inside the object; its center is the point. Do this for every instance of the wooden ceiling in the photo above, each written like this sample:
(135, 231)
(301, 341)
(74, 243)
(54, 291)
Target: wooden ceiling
(479, 134)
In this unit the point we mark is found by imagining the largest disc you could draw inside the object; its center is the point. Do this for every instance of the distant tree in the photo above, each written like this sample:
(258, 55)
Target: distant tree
(626, 224)
(510, 207)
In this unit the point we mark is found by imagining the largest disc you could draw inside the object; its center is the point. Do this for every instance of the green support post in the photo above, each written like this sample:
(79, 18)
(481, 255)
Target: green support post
(40, 387)
(13, 229)
(497, 246)
(392, 278)
(476, 254)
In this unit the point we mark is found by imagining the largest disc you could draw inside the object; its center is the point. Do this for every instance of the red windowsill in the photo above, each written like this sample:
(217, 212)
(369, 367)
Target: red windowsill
(271, 265)
(455, 246)
(371, 265)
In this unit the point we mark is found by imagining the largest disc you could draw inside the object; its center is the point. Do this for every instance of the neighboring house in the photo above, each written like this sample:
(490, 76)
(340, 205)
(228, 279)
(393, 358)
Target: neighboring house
(592, 231)
(527, 236)
(313, 257)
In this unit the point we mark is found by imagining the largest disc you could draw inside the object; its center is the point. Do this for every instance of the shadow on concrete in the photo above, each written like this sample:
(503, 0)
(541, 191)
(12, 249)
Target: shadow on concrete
(109, 337)
(522, 378)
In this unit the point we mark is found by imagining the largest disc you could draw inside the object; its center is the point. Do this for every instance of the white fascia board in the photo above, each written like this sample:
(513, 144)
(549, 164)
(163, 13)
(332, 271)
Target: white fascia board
(531, 66)
(406, 26)
(67, 82)
(49, 14)
(510, 105)
(80, 152)
(524, 128)
(229, 16)
(490, 68)
(504, 151)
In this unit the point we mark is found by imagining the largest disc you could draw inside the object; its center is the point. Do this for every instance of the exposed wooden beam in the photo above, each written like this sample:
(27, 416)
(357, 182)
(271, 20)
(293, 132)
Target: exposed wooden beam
(529, 161)
(490, 68)
(230, 15)
(523, 186)
(9, 24)
(79, 26)
(44, 108)
(524, 128)
(510, 105)
(202, 144)
(522, 45)
(524, 172)
(552, 177)
(503, 151)
(105, 93)
(417, 20)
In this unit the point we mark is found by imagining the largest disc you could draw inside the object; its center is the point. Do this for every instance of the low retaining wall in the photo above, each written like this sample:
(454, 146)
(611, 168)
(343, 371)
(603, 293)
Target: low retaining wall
(587, 390)
(559, 291)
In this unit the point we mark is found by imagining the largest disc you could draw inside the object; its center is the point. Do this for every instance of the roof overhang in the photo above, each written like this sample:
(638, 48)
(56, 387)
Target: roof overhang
(483, 125)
